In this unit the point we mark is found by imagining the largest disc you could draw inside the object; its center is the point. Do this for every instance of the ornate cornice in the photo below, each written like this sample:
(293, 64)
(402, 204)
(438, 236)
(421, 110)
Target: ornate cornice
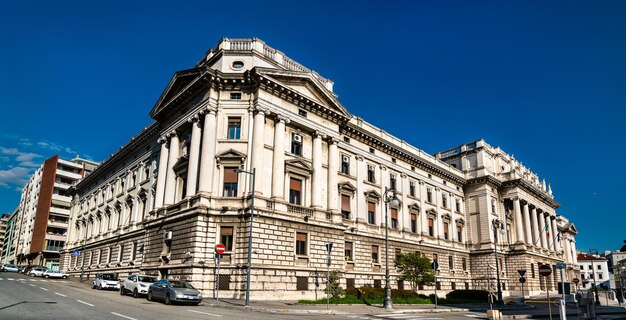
(490, 180)
(357, 133)
(522, 184)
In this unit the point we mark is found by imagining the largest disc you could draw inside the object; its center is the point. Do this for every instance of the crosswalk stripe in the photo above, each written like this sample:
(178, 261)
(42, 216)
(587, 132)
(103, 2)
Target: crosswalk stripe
(398, 316)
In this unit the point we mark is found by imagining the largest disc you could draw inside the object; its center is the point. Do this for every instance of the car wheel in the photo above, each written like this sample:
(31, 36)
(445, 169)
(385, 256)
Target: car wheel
(93, 286)
(167, 299)
(149, 297)
(195, 303)
(121, 290)
(30, 274)
(64, 277)
(135, 293)
(46, 276)
(100, 286)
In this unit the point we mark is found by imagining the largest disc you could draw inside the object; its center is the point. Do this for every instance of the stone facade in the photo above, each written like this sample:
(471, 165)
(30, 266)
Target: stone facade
(162, 202)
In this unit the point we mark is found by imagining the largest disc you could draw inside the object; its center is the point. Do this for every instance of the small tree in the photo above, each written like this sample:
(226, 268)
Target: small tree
(416, 269)
(334, 289)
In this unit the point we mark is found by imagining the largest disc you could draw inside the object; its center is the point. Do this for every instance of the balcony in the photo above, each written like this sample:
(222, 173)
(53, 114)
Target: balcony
(67, 174)
(299, 210)
(61, 211)
(59, 199)
(56, 236)
(53, 248)
(58, 223)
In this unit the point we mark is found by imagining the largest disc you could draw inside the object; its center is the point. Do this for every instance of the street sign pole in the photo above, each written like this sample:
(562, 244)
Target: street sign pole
(435, 268)
(545, 271)
(329, 248)
(562, 310)
(522, 280)
(219, 249)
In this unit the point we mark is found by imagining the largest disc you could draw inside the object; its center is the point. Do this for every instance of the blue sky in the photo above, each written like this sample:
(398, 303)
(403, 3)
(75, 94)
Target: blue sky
(544, 80)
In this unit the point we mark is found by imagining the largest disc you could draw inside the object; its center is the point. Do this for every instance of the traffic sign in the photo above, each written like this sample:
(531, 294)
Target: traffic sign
(576, 280)
(561, 265)
(545, 270)
(219, 248)
(76, 253)
(521, 273)
(522, 279)
(329, 247)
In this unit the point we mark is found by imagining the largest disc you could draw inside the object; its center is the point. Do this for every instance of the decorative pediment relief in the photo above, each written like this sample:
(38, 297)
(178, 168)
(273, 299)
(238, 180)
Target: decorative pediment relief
(414, 207)
(230, 155)
(180, 167)
(446, 216)
(177, 85)
(431, 213)
(570, 228)
(298, 166)
(347, 186)
(460, 221)
(372, 194)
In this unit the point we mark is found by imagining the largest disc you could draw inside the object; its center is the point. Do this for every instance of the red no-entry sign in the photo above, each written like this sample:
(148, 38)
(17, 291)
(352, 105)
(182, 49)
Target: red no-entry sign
(219, 248)
(545, 270)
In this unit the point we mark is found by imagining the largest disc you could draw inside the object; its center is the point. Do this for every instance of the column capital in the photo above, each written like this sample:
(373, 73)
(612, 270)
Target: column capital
(332, 140)
(172, 133)
(194, 118)
(162, 139)
(319, 135)
(257, 110)
(359, 157)
(280, 118)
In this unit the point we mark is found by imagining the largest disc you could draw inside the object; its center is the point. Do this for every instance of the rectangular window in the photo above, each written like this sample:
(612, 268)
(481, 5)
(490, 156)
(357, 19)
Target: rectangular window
(345, 165)
(301, 244)
(226, 237)
(234, 128)
(393, 181)
(412, 188)
(453, 286)
(350, 283)
(377, 283)
(451, 262)
(413, 222)
(371, 212)
(296, 144)
(235, 96)
(371, 174)
(398, 252)
(374, 254)
(348, 251)
(532, 270)
(230, 182)
(464, 264)
(445, 231)
(444, 200)
(345, 206)
(459, 233)
(295, 191)
(302, 283)
(493, 206)
(429, 195)
(394, 218)
(133, 253)
(458, 205)
(431, 227)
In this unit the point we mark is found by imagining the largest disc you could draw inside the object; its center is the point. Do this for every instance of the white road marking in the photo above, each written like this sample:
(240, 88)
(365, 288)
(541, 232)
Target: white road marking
(1, 279)
(30, 284)
(123, 316)
(32, 279)
(87, 303)
(208, 314)
(398, 316)
(44, 289)
(472, 315)
(60, 294)
(10, 279)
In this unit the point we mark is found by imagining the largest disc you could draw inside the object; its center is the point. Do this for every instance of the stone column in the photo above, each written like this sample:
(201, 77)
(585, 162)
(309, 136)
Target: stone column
(333, 162)
(535, 227)
(162, 173)
(207, 159)
(258, 145)
(555, 232)
(527, 232)
(170, 182)
(316, 181)
(194, 156)
(542, 225)
(519, 231)
(278, 161)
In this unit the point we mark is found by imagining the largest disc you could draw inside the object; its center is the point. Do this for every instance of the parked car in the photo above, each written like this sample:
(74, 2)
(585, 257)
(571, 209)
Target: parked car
(137, 284)
(106, 281)
(37, 271)
(55, 274)
(171, 291)
(25, 269)
(10, 268)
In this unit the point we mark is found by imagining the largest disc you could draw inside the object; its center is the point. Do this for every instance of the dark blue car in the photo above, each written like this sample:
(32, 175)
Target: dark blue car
(171, 291)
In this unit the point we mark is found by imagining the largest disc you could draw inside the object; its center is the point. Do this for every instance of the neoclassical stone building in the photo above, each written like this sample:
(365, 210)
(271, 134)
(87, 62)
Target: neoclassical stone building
(162, 202)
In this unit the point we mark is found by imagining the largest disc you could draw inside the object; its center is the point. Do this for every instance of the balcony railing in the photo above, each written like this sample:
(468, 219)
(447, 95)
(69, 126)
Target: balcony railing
(53, 248)
(299, 210)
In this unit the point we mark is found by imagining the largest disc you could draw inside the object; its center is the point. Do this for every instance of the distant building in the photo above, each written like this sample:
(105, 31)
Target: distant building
(8, 243)
(617, 266)
(3, 228)
(44, 209)
(592, 268)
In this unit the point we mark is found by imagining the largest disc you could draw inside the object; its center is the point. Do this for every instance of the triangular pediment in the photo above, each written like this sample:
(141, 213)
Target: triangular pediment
(347, 186)
(179, 82)
(231, 154)
(414, 207)
(306, 85)
(372, 194)
(298, 163)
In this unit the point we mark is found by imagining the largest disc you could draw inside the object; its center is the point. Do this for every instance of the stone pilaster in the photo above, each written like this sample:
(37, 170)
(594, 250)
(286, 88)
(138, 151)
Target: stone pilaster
(542, 224)
(333, 162)
(527, 230)
(170, 181)
(278, 165)
(194, 156)
(207, 159)
(316, 185)
(258, 145)
(519, 231)
(162, 173)
(535, 227)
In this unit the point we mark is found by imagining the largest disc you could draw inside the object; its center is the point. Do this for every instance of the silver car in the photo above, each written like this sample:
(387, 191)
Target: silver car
(171, 291)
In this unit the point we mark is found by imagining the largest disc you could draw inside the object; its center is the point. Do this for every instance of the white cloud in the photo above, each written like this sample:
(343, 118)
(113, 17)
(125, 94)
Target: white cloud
(9, 151)
(16, 176)
(25, 157)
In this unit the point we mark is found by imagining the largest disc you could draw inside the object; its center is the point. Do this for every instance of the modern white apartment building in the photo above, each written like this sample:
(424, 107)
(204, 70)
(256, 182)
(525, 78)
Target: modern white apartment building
(44, 209)
(593, 267)
(162, 202)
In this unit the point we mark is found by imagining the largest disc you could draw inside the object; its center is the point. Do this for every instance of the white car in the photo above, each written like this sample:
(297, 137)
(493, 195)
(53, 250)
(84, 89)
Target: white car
(106, 281)
(55, 274)
(10, 268)
(37, 271)
(137, 284)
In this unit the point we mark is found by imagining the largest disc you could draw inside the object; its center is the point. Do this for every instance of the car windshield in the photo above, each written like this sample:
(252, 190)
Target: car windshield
(108, 276)
(180, 284)
(147, 279)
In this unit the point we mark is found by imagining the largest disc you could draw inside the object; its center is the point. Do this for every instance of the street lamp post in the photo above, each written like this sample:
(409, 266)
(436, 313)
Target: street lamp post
(593, 274)
(497, 225)
(82, 264)
(253, 174)
(393, 200)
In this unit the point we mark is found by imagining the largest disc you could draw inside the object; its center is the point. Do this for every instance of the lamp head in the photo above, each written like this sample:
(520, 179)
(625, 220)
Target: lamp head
(395, 202)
